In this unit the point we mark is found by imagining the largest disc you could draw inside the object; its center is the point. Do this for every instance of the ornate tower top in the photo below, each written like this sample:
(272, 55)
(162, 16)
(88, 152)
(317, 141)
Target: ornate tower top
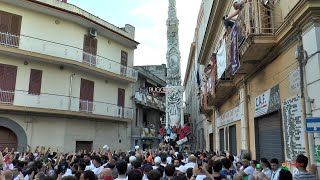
(173, 53)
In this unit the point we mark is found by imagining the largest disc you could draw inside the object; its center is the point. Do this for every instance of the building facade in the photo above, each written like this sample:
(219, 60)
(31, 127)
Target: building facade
(201, 116)
(262, 81)
(65, 77)
(149, 108)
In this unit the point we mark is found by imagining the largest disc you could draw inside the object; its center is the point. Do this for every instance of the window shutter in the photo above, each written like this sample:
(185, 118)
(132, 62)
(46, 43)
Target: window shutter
(121, 97)
(86, 90)
(4, 21)
(15, 25)
(10, 77)
(93, 46)
(35, 82)
(124, 58)
(86, 44)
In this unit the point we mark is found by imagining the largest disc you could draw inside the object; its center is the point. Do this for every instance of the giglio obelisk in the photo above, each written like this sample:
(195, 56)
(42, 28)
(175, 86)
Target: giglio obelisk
(174, 96)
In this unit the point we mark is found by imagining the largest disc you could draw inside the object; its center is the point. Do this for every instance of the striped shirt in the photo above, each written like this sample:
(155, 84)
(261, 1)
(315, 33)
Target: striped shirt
(304, 176)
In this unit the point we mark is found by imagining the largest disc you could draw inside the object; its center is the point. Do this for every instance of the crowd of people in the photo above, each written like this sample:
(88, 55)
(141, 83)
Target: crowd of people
(160, 164)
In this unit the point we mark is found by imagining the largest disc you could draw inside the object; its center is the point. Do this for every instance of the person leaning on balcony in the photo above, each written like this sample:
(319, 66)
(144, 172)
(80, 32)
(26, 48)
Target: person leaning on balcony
(238, 5)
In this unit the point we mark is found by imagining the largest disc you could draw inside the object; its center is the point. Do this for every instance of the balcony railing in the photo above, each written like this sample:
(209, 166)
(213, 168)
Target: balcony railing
(55, 49)
(259, 18)
(151, 100)
(59, 102)
(6, 97)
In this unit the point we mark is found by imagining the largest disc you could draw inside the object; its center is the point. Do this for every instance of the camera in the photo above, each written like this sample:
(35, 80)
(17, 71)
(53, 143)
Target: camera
(199, 162)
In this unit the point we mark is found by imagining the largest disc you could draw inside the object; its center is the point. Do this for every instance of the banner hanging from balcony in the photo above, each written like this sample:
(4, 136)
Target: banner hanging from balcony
(222, 58)
(234, 50)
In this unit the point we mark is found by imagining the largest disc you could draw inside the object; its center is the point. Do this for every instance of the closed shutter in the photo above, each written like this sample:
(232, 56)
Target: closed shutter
(10, 23)
(90, 50)
(121, 97)
(269, 142)
(124, 62)
(5, 19)
(221, 139)
(124, 58)
(86, 96)
(8, 76)
(35, 82)
(233, 140)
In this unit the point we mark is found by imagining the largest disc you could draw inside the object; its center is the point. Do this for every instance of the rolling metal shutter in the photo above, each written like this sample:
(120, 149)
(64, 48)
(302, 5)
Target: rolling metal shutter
(221, 139)
(269, 138)
(233, 140)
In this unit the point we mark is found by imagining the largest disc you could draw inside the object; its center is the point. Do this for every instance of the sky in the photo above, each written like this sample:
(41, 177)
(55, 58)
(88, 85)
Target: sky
(149, 19)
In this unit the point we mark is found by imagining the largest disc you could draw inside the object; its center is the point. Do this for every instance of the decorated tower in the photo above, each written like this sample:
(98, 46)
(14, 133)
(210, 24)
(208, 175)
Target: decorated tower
(174, 97)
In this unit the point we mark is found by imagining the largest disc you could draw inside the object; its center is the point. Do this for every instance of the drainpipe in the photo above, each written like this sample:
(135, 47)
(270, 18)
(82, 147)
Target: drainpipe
(70, 90)
(245, 119)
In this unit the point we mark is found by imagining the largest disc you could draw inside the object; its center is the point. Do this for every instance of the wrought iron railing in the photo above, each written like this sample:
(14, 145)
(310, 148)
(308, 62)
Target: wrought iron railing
(55, 49)
(60, 102)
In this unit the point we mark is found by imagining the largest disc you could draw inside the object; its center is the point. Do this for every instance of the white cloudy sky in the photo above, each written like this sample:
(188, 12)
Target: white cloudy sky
(149, 18)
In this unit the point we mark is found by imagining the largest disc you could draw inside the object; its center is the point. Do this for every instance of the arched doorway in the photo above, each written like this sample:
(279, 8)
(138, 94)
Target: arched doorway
(7, 139)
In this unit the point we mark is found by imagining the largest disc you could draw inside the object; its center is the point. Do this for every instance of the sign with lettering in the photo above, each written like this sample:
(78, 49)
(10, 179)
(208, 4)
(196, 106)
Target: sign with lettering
(229, 117)
(293, 128)
(268, 102)
(313, 125)
(294, 80)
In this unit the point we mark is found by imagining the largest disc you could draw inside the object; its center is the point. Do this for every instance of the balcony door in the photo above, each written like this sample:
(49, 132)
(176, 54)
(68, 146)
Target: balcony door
(124, 63)
(86, 96)
(8, 75)
(90, 50)
(121, 99)
(10, 25)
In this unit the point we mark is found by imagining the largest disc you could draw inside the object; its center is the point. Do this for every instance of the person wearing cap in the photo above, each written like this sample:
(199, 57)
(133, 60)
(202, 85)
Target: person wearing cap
(246, 170)
(131, 160)
(157, 161)
(192, 160)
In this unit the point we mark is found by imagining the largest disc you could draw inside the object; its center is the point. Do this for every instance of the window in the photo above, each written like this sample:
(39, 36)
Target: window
(121, 99)
(8, 75)
(86, 96)
(35, 82)
(90, 50)
(124, 62)
(10, 25)
(84, 145)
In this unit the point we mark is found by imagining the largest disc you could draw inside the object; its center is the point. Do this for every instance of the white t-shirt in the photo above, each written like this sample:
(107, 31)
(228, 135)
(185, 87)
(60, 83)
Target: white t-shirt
(98, 170)
(122, 178)
(249, 170)
(89, 167)
(201, 177)
(267, 172)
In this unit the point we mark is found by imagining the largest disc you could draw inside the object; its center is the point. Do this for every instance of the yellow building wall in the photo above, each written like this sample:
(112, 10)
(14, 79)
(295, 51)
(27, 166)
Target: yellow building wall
(57, 30)
(275, 73)
(62, 133)
(57, 82)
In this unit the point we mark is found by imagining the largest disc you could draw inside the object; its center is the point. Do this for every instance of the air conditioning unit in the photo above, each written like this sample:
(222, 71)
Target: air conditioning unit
(93, 32)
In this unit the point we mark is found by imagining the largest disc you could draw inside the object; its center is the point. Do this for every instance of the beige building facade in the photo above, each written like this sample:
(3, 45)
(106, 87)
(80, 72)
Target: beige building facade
(66, 77)
(257, 99)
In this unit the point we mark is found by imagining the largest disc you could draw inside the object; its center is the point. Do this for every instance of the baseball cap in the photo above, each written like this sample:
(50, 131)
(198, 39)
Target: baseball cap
(132, 158)
(157, 160)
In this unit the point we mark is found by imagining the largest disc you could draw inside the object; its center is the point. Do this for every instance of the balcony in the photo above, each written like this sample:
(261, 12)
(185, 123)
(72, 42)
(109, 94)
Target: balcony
(257, 24)
(152, 101)
(43, 50)
(57, 104)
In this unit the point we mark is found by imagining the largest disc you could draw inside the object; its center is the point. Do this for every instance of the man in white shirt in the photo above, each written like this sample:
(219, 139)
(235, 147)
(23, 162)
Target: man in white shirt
(97, 166)
(275, 169)
(246, 169)
(88, 162)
